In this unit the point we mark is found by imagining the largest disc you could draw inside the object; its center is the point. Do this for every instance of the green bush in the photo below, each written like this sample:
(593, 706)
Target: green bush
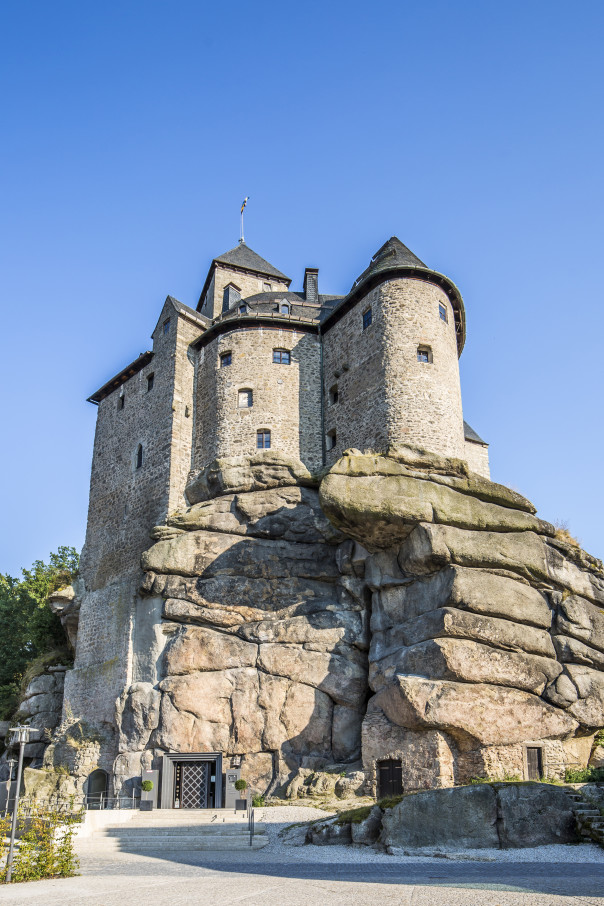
(258, 801)
(585, 775)
(241, 784)
(147, 786)
(45, 847)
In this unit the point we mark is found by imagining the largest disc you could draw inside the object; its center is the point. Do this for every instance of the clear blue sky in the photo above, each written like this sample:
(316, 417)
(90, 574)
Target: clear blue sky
(131, 132)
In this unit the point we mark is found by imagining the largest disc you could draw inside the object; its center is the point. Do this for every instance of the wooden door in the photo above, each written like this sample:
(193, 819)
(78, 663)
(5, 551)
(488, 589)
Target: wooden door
(534, 762)
(390, 778)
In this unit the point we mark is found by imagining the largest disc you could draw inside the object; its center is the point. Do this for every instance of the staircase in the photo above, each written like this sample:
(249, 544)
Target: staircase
(590, 823)
(169, 830)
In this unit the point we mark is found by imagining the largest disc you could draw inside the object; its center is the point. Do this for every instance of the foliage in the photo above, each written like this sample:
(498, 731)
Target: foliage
(31, 632)
(585, 775)
(258, 801)
(389, 801)
(241, 784)
(147, 786)
(45, 848)
(563, 533)
(599, 739)
(356, 815)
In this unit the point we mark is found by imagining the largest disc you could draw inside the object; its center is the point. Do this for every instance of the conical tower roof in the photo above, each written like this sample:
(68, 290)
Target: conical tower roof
(392, 259)
(393, 253)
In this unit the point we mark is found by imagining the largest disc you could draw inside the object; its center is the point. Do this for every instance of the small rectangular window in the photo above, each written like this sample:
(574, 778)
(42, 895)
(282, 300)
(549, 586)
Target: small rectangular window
(246, 399)
(424, 354)
(442, 311)
(167, 326)
(281, 357)
(367, 318)
(334, 394)
(121, 401)
(225, 359)
(331, 440)
(263, 440)
(150, 382)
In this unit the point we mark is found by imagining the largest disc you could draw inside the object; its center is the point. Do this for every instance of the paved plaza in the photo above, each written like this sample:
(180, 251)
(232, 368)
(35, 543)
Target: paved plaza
(221, 880)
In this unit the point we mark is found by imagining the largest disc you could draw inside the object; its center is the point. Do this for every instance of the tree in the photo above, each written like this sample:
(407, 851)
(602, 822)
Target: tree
(30, 630)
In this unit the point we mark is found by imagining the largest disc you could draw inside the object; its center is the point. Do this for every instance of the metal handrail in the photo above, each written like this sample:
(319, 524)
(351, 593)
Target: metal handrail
(250, 823)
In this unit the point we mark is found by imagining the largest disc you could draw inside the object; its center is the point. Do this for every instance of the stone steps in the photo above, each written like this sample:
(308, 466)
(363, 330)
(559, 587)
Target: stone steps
(170, 830)
(590, 822)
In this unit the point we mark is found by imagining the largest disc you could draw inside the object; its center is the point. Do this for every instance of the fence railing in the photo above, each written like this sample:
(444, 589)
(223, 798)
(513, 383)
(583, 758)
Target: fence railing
(250, 823)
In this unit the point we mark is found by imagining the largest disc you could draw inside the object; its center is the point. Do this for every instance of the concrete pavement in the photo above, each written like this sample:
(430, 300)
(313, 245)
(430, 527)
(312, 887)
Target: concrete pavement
(191, 878)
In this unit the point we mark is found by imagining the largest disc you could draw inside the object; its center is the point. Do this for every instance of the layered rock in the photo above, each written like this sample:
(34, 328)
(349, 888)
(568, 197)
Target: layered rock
(486, 629)
(407, 609)
(267, 652)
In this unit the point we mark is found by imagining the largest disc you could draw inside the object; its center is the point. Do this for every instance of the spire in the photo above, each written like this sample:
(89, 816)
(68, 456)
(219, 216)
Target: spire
(392, 254)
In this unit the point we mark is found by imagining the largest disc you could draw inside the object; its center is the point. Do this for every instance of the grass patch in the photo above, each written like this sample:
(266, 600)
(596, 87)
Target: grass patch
(586, 775)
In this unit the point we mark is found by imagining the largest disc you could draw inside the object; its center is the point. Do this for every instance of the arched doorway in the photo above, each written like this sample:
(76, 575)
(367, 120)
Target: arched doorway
(96, 789)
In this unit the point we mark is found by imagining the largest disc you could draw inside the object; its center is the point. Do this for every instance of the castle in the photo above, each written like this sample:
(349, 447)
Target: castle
(329, 553)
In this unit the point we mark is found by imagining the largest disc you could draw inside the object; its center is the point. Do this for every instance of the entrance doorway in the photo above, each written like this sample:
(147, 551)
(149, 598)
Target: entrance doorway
(96, 789)
(390, 778)
(192, 781)
(534, 762)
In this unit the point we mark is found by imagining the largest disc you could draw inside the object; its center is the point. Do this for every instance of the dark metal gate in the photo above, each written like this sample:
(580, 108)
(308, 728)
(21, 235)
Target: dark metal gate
(390, 778)
(534, 762)
(192, 783)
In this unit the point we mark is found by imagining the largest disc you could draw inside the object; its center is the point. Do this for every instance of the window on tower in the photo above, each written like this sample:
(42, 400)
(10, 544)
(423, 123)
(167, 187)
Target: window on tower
(367, 318)
(281, 357)
(334, 394)
(150, 381)
(284, 308)
(246, 399)
(139, 456)
(263, 439)
(121, 401)
(230, 296)
(331, 439)
(266, 287)
(242, 308)
(442, 311)
(424, 354)
(167, 326)
(225, 359)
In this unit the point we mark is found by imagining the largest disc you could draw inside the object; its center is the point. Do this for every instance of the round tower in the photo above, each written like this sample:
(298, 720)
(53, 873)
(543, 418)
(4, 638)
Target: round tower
(391, 349)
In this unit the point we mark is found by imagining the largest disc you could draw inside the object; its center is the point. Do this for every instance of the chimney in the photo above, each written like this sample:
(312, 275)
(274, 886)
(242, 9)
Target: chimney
(311, 284)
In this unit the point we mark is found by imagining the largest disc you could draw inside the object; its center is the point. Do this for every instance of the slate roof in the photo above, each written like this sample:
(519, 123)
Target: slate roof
(244, 257)
(470, 434)
(121, 378)
(392, 254)
(392, 258)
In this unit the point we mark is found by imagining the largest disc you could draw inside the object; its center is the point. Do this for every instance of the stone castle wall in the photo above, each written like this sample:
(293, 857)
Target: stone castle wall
(423, 398)
(286, 398)
(385, 395)
(125, 503)
(477, 458)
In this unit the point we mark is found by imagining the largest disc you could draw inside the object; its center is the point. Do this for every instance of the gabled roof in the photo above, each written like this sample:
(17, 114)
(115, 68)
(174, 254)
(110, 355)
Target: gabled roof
(471, 435)
(245, 259)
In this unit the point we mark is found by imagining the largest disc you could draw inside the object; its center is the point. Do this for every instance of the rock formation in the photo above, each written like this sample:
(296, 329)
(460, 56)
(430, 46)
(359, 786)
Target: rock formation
(408, 609)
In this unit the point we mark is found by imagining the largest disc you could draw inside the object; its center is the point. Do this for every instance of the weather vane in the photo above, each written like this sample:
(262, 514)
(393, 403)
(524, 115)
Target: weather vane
(245, 201)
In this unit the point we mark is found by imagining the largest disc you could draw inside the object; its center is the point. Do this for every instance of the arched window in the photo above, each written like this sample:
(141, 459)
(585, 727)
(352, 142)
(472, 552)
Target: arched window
(281, 357)
(263, 439)
(139, 456)
(246, 399)
(284, 308)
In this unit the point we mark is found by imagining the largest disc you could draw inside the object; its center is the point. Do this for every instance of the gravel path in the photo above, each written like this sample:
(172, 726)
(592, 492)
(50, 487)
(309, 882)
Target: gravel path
(289, 845)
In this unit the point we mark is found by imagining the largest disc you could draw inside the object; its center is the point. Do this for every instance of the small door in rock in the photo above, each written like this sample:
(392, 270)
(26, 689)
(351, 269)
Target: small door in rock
(390, 778)
(534, 762)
